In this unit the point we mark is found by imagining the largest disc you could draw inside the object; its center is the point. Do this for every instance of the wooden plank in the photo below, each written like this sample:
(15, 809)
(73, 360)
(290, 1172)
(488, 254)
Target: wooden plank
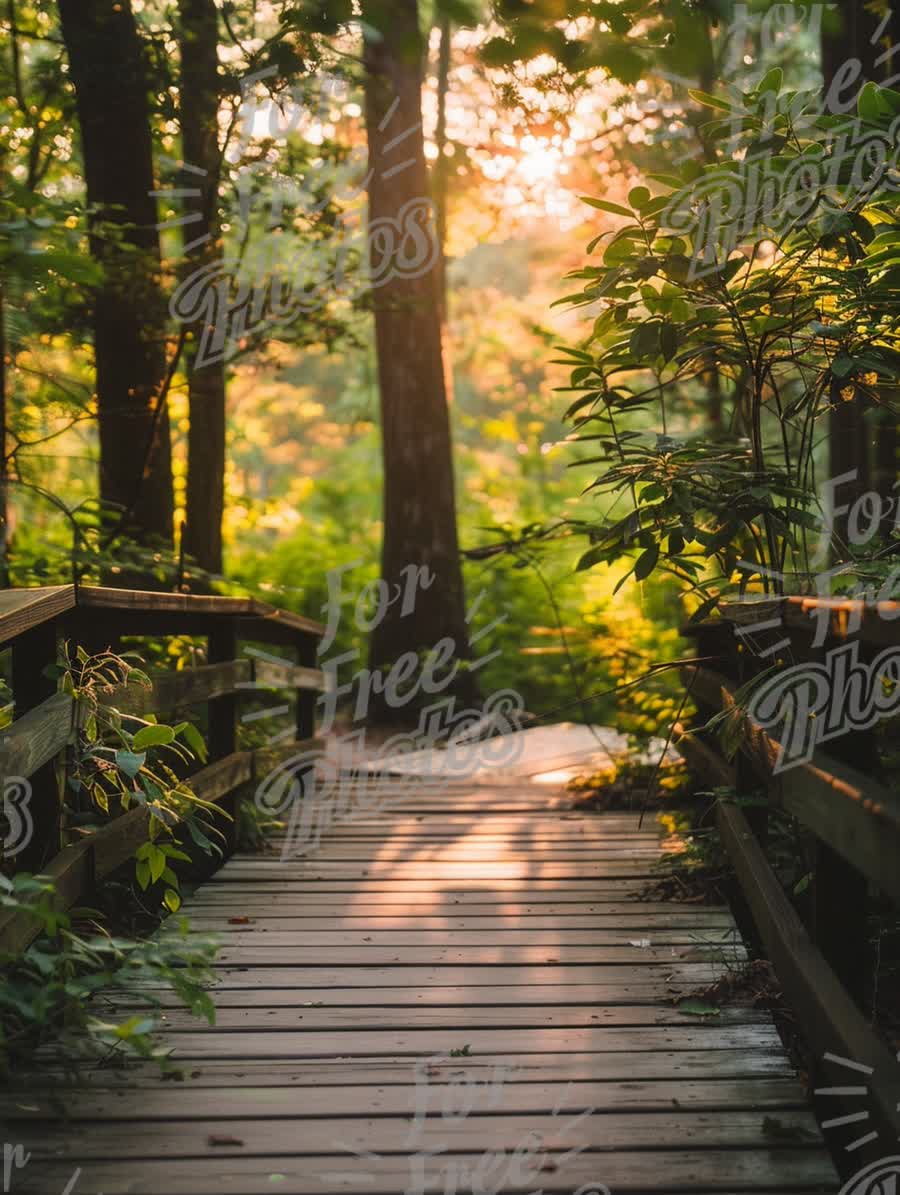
(371, 938)
(518, 873)
(629, 1172)
(257, 953)
(470, 851)
(697, 1130)
(832, 1022)
(37, 736)
(34, 654)
(145, 601)
(400, 899)
(174, 690)
(150, 608)
(177, 1102)
(387, 889)
(461, 1017)
(23, 609)
(874, 623)
(228, 1073)
(641, 985)
(269, 674)
(699, 972)
(423, 1043)
(631, 917)
(298, 625)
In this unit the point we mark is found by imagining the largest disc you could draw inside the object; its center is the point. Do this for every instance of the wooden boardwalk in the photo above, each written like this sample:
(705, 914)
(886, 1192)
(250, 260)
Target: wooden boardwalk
(459, 994)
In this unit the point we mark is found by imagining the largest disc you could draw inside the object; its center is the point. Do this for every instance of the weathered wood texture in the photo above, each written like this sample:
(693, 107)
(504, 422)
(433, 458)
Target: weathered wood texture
(855, 821)
(450, 990)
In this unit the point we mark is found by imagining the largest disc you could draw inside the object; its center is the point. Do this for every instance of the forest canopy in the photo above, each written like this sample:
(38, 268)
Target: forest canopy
(550, 298)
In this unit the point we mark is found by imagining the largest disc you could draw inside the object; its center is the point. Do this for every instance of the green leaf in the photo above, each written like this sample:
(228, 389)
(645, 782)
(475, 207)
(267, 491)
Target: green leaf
(772, 81)
(152, 736)
(595, 555)
(604, 206)
(638, 197)
(130, 763)
(710, 101)
(704, 608)
(868, 105)
(668, 341)
(194, 739)
(157, 863)
(646, 563)
(698, 1008)
(171, 900)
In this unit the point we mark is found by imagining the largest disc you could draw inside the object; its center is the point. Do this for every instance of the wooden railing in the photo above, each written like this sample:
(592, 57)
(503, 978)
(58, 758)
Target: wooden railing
(34, 621)
(851, 817)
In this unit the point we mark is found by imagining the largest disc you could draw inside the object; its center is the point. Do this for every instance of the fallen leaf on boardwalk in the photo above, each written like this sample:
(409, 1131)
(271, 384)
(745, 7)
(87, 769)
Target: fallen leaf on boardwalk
(698, 1008)
(240, 920)
(223, 1139)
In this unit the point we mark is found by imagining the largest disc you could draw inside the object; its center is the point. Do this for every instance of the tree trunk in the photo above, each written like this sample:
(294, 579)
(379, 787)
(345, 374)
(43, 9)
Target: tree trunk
(869, 447)
(107, 69)
(419, 502)
(199, 39)
(5, 544)
(439, 173)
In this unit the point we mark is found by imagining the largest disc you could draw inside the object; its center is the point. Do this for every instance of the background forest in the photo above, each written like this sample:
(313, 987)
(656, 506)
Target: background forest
(240, 149)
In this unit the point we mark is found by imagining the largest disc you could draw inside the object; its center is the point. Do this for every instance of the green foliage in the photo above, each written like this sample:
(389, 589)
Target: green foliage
(119, 761)
(254, 827)
(59, 990)
(786, 336)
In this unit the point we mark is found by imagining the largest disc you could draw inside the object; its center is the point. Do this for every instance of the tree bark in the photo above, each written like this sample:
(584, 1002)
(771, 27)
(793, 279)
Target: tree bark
(419, 501)
(107, 69)
(854, 442)
(439, 173)
(199, 92)
(5, 544)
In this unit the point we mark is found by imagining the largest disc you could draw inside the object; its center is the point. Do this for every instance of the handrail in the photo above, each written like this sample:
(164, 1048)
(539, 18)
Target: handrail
(33, 621)
(22, 610)
(854, 820)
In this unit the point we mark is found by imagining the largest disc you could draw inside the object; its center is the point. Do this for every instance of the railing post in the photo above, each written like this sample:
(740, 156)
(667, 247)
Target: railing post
(306, 657)
(222, 646)
(747, 781)
(32, 654)
(840, 893)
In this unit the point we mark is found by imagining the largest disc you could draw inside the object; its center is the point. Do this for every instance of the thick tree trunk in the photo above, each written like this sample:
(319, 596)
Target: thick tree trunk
(106, 66)
(199, 135)
(419, 502)
(439, 173)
